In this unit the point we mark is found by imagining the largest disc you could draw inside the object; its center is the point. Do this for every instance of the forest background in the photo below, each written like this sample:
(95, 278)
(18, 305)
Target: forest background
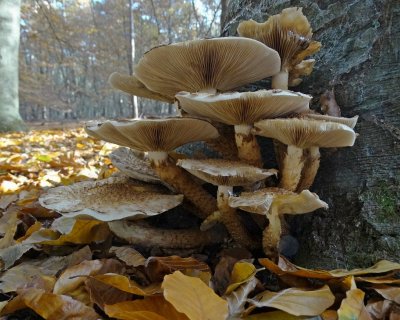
(69, 48)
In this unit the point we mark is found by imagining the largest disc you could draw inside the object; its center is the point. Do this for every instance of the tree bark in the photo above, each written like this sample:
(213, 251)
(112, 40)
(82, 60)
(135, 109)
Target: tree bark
(10, 119)
(360, 60)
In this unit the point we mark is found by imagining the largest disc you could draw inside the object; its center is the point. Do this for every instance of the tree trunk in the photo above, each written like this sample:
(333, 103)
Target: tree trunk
(360, 60)
(10, 119)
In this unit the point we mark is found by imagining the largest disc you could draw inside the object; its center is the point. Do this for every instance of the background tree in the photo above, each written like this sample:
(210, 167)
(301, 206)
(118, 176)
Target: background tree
(9, 43)
(360, 60)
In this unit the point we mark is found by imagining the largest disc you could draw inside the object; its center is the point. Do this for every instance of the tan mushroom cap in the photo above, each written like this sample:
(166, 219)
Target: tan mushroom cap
(306, 133)
(350, 122)
(224, 172)
(153, 134)
(107, 200)
(289, 33)
(304, 68)
(286, 202)
(130, 164)
(221, 64)
(131, 85)
(238, 108)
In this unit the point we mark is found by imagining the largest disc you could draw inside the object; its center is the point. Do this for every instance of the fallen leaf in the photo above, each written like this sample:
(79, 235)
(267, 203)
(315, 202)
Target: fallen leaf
(194, 298)
(241, 273)
(130, 256)
(278, 315)
(299, 302)
(352, 307)
(150, 308)
(238, 298)
(389, 292)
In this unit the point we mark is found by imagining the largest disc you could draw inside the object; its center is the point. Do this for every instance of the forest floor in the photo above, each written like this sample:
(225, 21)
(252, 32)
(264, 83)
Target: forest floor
(52, 267)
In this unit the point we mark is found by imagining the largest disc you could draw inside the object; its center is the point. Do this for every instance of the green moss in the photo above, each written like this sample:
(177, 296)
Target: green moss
(16, 125)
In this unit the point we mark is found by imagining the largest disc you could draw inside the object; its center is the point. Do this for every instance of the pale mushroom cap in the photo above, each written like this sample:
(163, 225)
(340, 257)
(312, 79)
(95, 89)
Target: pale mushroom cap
(289, 33)
(306, 133)
(238, 108)
(153, 134)
(221, 64)
(286, 202)
(350, 122)
(107, 200)
(131, 85)
(224, 172)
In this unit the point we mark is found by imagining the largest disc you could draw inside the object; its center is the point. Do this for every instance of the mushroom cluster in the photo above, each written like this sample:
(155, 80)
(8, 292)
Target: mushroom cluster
(200, 77)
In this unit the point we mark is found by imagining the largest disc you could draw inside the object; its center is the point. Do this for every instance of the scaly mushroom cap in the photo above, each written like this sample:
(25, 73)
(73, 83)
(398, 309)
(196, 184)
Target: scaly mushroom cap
(289, 33)
(131, 85)
(350, 122)
(306, 133)
(304, 68)
(224, 172)
(107, 200)
(219, 64)
(130, 164)
(286, 202)
(243, 107)
(153, 134)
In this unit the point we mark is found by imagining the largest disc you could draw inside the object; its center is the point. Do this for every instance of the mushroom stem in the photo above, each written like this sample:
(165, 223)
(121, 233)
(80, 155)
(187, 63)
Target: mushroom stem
(183, 183)
(231, 220)
(280, 80)
(310, 168)
(292, 166)
(225, 143)
(141, 233)
(248, 148)
(272, 233)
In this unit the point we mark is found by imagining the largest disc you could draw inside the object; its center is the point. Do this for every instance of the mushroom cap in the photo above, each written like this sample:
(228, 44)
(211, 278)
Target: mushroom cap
(304, 68)
(237, 108)
(286, 202)
(131, 85)
(289, 33)
(350, 122)
(130, 164)
(153, 134)
(306, 133)
(224, 172)
(110, 199)
(221, 64)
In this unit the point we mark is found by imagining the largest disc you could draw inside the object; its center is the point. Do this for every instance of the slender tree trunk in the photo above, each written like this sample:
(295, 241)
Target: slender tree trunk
(360, 59)
(135, 111)
(10, 119)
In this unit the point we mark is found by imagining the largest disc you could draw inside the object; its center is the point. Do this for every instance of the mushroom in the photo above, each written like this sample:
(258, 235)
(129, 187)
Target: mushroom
(110, 199)
(242, 109)
(157, 137)
(299, 134)
(131, 85)
(207, 65)
(227, 174)
(350, 122)
(290, 34)
(274, 203)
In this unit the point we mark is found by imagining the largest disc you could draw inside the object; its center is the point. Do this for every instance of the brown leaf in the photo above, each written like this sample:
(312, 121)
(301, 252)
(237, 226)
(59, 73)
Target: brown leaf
(158, 267)
(379, 309)
(389, 292)
(150, 308)
(130, 256)
(194, 298)
(50, 306)
(353, 306)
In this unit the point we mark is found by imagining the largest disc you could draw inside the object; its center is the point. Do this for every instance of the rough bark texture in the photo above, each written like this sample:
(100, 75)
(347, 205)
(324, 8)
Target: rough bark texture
(360, 58)
(10, 119)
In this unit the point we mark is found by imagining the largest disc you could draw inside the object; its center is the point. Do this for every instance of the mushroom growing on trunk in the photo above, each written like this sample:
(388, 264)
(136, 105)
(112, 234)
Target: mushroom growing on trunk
(299, 134)
(274, 203)
(157, 137)
(227, 174)
(242, 110)
(290, 34)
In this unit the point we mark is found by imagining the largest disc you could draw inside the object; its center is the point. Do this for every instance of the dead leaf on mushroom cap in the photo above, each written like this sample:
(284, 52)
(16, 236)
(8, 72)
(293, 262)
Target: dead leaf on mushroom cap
(306, 133)
(153, 134)
(289, 33)
(107, 200)
(220, 64)
(238, 108)
(131, 85)
(224, 172)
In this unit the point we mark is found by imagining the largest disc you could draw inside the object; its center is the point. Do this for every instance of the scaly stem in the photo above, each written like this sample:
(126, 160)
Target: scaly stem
(272, 234)
(310, 169)
(248, 148)
(183, 183)
(292, 167)
(280, 80)
(231, 220)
